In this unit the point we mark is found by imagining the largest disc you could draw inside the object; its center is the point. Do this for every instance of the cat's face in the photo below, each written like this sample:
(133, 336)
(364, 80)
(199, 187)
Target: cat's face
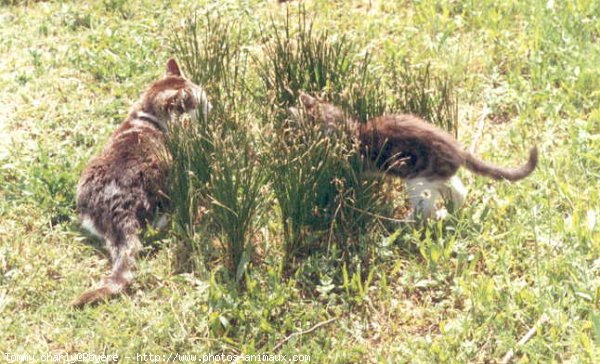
(174, 95)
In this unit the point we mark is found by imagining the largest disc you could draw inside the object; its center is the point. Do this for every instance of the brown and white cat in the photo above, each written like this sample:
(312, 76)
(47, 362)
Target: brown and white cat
(408, 147)
(121, 189)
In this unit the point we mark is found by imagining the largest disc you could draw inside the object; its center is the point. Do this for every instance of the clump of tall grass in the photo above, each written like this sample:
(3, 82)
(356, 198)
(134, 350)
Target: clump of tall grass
(363, 97)
(208, 47)
(296, 58)
(323, 193)
(302, 168)
(235, 187)
(317, 179)
(214, 167)
(190, 148)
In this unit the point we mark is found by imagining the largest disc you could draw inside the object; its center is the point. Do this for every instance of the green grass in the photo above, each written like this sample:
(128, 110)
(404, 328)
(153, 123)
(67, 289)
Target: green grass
(317, 179)
(465, 290)
(218, 166)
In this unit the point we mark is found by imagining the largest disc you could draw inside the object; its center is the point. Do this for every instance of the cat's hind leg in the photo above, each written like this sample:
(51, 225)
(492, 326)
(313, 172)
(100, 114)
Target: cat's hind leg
(455, 191)
(422, 196)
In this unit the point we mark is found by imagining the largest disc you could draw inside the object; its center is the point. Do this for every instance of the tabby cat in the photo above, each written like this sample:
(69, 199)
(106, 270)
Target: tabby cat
(120, 190)
(408, 147)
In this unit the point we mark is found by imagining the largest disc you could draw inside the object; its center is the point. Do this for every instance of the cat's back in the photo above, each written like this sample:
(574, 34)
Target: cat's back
(407, 126)
(412, 147)
(129, 167)
(129, 150)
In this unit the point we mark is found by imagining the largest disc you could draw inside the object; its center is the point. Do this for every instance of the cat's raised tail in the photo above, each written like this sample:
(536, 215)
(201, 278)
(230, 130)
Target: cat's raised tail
(511, 174)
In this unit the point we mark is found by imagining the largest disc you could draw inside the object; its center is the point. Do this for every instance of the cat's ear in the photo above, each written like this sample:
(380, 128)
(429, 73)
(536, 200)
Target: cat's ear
(173, 68)
(307, 100)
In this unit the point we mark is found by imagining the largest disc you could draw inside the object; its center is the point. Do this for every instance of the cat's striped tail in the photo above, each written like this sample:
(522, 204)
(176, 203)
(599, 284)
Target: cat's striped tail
(120, 277)
(512, 174)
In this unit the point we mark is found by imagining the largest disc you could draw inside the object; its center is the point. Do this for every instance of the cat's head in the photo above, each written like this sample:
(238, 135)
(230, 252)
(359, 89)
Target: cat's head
(174, 95)
(331, 117)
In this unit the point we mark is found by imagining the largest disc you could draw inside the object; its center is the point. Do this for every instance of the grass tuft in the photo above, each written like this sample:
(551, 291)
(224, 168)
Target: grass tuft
(216, 172)
(318, 180)
(296, 57)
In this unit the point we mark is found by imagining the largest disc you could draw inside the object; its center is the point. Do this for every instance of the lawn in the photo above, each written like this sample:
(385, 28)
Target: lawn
(465, 290)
